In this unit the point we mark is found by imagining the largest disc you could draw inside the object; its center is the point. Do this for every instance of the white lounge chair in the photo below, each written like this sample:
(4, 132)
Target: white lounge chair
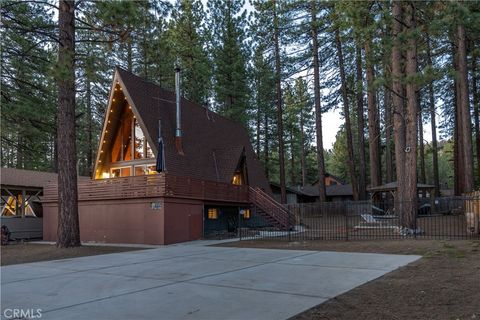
(370, 222)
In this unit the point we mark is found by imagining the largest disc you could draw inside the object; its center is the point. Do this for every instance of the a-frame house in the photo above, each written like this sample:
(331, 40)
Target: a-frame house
(167, 170)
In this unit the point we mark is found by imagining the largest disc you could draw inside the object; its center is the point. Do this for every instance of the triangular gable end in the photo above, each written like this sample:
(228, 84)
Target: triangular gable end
(125, 147)
(240, 176)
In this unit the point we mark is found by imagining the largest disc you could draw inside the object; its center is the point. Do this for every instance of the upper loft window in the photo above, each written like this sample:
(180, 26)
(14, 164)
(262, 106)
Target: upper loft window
(237, 178)
(125, 148)
(142, 148)
(240, 175)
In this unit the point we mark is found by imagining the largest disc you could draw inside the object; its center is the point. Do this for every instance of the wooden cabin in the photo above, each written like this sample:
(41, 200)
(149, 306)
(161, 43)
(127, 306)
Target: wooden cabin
(20, 204)
(167, 170)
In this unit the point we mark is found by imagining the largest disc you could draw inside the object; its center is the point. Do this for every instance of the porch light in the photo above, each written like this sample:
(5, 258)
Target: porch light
(129, 107)
(212, 213)
(113, 99)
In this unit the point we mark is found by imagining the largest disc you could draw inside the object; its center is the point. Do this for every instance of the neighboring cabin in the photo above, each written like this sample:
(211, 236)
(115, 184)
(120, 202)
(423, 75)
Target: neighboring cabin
(21, 209)
(336, 190)
(21, 201)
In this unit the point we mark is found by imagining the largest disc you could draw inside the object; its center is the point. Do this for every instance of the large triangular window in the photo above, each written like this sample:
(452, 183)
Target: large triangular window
(125, 150)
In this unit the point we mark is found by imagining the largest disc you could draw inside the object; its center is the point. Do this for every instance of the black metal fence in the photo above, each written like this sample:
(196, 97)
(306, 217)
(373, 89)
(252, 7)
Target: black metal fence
(442, 218)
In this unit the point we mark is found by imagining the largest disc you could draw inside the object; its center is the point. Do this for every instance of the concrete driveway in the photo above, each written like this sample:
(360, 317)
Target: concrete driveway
(189, 281)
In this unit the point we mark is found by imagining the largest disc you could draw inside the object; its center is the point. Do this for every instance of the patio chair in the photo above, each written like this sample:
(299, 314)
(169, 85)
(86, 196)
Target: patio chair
(371, 222)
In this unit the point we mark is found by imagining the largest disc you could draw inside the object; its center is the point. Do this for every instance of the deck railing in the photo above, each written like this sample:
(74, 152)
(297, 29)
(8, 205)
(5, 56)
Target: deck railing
(157, 185)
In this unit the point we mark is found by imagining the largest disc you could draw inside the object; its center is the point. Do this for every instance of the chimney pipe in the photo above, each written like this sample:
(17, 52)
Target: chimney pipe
(178, 128)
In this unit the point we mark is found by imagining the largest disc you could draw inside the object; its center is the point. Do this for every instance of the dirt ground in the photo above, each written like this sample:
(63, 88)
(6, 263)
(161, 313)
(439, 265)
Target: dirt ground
(16, 253)
(444, 284)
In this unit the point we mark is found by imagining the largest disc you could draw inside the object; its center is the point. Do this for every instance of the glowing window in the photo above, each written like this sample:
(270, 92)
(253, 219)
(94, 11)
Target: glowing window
(120, 172)
(247, 214)
(145, 169)
(212, 213)
(142, 149)
(237, 179)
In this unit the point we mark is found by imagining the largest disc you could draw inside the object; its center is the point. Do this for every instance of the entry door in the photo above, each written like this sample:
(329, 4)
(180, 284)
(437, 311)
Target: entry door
(194, 226)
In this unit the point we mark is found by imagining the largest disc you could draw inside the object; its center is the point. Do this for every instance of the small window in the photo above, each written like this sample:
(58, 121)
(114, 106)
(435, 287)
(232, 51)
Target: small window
(145, 169)
(237, 179)
(120, 172)
(212, 213)
(247, 214)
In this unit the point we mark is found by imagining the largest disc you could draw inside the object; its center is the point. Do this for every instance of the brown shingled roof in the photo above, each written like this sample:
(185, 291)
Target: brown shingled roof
(25, 178)
(205, 138)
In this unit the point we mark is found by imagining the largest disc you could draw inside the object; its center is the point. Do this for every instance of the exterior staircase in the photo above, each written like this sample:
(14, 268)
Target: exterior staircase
(273, 212)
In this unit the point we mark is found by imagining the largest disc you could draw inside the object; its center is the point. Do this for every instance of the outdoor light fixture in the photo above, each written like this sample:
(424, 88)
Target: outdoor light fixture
(113, 99)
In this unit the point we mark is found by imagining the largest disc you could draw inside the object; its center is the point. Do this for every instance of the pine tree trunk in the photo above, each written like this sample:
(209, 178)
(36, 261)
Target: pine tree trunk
(20, 156)
(464, 108)
(278, 85)
(55, 146)
(89, 130)
(387, 105)
(258, 128)
(266, 147)
(457, 136)
(292, 160)
(362, 177)
(346, 113)
(411, 121)
(398, 107)
(68, 233)
(373, 120)
(388, 132)
(431, 97)
(129, 53)
(421, 153)
(303, 156)
(318, 109)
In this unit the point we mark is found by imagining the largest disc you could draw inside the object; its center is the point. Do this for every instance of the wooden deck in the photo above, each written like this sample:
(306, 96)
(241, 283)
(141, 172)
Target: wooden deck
(150, 186)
